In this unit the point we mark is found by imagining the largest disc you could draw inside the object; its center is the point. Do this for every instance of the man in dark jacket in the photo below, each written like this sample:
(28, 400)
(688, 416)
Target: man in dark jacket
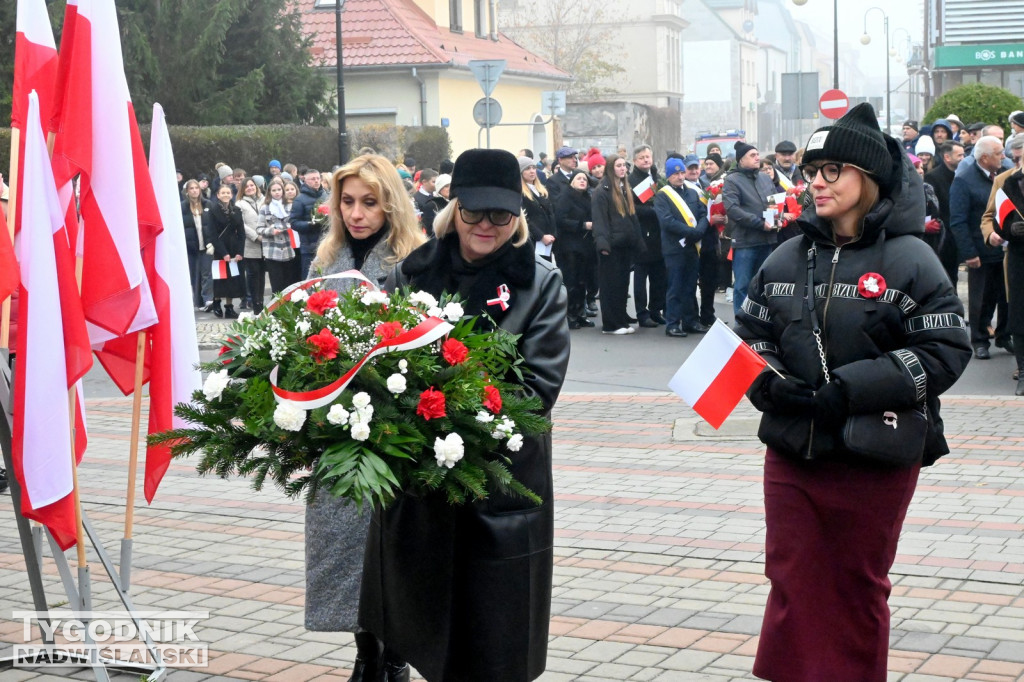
(568, 159)
(745, 193)
(648, 266)
(310, 195)
(910, 135)
(423, 198)
(785, 164)
(968, 197)
(683, 220)
(941, 179)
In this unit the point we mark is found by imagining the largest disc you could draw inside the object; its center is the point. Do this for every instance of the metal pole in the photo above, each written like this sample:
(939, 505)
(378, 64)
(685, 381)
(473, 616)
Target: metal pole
(835, 44)
(487, 105)
(339, 5)
(888, 93)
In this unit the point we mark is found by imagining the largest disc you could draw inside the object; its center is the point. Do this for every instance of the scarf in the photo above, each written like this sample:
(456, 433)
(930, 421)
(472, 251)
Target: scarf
(277, 209)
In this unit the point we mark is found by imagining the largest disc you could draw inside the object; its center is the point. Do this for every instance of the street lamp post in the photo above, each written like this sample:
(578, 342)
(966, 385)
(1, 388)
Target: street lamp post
(865, 39)
(339, 6)
(835, 39)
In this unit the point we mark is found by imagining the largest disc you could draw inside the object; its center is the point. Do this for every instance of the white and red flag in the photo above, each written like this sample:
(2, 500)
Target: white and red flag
(717, 374)
(8, 263)
(96, 133)
(35, 62)
(1004, 207)
(645, 190)
(174, 360)
(41, 444)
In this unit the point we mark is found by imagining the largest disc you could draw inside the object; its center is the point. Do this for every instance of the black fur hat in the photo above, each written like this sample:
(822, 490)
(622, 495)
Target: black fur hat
(487, 179)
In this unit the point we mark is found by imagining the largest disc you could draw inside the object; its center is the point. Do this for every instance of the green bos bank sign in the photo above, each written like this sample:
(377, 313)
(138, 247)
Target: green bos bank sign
(978, 55)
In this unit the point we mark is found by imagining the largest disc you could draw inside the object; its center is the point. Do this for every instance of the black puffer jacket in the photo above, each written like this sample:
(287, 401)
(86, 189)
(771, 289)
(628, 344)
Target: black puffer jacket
(874, 347)
(611, 230)
(572, 212)
(646, 215)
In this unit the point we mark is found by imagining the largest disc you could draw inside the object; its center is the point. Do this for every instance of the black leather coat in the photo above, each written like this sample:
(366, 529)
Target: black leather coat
(464, 593)
(875, 347)
(572, 212)
(225, 230)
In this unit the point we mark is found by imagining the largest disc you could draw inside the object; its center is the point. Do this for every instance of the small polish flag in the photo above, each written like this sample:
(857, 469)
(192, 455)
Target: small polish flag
(645, 190)
(223, 269)
(293, 238)
(1004, 207)
(717, 374)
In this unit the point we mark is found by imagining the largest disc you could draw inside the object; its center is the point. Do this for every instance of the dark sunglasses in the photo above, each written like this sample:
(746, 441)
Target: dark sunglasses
(830, 171)
(495, 216)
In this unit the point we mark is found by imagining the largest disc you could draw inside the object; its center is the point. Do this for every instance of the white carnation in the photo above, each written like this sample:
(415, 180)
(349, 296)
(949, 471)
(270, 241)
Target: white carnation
(449, 450)
(484, 417)
(365, 413)
(361, 431)
(403, 366)
(215, 384)
(338, 415)
(303, 326)
(361, 399)
(453, 311)
(515, 442)
(289, 417)
(298, 296)
(435, 312)
(423, 299)
(245, 316)
(506, 425)
(374, 298)
(396, 383)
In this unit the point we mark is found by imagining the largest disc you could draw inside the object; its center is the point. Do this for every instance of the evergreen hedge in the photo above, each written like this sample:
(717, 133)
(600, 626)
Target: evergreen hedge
(976, 102)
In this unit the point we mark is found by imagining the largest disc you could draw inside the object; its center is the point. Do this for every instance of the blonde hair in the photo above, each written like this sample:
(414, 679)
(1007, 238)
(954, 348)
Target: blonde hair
(444, 224)
(382, 179)
(528, 193)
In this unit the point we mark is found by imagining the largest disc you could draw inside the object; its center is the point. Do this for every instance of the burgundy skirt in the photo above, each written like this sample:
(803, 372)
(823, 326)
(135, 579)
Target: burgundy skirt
(832, 530)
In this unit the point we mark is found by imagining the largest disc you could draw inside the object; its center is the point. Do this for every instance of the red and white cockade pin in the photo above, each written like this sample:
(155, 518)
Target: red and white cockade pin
(504, 296)
(871, 285)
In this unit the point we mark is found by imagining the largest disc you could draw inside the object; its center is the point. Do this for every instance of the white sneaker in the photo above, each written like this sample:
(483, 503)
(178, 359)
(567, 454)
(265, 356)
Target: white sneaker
(621, 331)
(631, 330)
(728, 294)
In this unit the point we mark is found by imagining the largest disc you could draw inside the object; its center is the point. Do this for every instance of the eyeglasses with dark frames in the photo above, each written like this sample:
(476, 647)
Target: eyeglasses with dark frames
(495, 216)
(830, 170)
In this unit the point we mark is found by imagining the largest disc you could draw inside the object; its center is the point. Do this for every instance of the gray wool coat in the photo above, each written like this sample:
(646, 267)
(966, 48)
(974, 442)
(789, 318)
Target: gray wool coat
(335, 532)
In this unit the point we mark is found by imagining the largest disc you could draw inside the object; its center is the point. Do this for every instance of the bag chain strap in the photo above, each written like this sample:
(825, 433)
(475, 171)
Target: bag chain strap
(809, 299)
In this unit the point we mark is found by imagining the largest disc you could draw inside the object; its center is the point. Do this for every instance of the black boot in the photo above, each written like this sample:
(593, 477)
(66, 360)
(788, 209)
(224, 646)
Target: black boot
(367, 664)
(229, 312)
(216, 309)
(393, 669)
(1018, 346)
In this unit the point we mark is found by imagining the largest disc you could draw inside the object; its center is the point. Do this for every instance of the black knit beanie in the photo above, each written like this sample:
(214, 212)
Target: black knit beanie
(741, 149)
(856, 139)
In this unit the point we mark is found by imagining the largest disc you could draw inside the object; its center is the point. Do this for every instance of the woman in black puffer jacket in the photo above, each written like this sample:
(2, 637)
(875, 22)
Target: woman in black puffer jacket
(574, 244)
(617, 239)
(893, 339)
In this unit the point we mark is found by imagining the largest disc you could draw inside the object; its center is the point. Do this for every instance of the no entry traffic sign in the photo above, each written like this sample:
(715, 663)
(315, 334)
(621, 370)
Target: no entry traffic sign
(833, 104)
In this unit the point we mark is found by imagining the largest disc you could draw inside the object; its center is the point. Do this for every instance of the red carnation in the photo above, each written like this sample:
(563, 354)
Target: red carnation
(325, 345)
(324, 209)
(431, 404)
(388, 330)
(322, 301)
(492, 399)
(454, 351)
(871, 285)
(227, 349)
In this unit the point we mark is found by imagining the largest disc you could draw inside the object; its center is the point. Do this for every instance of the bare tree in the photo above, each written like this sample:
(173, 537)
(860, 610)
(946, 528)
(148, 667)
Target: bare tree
(577, 36)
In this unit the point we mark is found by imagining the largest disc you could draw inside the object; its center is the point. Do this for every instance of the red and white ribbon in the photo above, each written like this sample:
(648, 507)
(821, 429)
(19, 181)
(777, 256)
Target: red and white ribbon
(426, 332)
(504, 296)
(310, 283)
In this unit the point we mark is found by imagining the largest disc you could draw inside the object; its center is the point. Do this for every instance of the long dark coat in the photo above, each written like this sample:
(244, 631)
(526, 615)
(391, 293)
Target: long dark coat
(1014, 188)
(464, 592)
(335, 532)
(226, 231)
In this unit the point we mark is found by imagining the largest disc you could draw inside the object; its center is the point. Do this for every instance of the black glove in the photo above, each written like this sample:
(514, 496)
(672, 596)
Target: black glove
(789, 396)
(830, 408)
(1017, 229)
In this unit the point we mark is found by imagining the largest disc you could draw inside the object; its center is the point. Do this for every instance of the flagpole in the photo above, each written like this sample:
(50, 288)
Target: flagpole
(133, 462)
(12, 207)
(83, 562)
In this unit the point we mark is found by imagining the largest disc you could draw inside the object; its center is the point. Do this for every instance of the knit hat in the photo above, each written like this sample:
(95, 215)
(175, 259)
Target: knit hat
(274, 163)
(225, 171)
(1017, 117)
(285, 175)
(913, 159)
(910, 123)
(594, 159)
(925, 145)
(487, 179)
(855, 138)
(785, 147)
(742, 149)
(260, 181)
(674, 165)
(443, 180)
(717, 158)
(524, 163)
(565, 152)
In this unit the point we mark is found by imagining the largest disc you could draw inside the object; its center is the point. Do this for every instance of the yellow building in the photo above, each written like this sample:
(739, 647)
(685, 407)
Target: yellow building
(406, 62)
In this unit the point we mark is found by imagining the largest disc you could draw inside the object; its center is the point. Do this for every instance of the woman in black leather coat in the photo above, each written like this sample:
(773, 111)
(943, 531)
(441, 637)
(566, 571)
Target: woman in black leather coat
(892, 337)
(463, 592)
(225, 230)
(574, 245)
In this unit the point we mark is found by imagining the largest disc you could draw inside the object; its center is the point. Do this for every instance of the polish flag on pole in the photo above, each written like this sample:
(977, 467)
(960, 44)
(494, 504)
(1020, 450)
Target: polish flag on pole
(1004, 207)
(35, 63)
(174, 373)
(41, 444)
(8, 263)
(717, 374)
(645, 190)
(94, 127)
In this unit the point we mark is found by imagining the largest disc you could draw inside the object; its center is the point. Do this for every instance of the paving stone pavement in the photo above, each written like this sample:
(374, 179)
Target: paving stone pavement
(659, 553)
